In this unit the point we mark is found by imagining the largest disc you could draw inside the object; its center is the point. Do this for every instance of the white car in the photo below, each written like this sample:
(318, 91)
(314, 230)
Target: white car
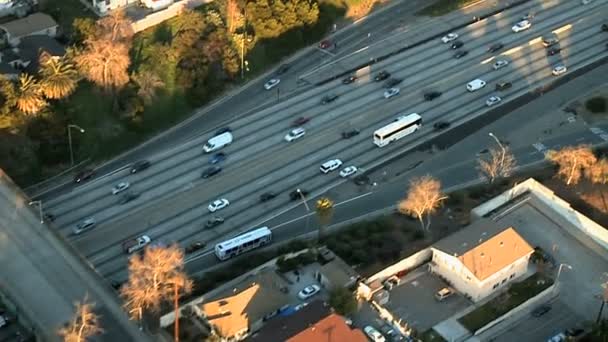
(558, 70)
(449, 37)
(347, 171)
(476, 85)
(521, 26)
(493, 100)
(84, 226)
(120, 187)
(391, 92)
(374, 334)
(309, 291)
(272, 83)
(501, 63)
(585, 2)
(331, 165)
(295, 133)
(218, 204)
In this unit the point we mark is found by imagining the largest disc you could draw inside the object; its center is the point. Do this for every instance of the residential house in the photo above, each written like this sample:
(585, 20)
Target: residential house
(480, 260)
(105, 6)
(332, 328)
(241, 310)
(334, 272)
(25, 58)
(36, 24)
(18, 8)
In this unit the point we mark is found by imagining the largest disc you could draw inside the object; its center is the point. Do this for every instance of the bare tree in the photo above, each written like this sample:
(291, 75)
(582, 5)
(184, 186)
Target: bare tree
(572, 161)
(499, 164)
(598, 174)
(29, 97)
(115, 27)
(104, 63)
(84, 324)
(424, 197)
(325, 212)
(232, 14)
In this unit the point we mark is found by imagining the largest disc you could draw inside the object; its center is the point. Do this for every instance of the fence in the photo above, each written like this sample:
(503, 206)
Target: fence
(408, 263)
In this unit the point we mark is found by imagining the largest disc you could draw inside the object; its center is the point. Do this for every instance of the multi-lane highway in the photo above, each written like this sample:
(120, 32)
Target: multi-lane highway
(173, 202)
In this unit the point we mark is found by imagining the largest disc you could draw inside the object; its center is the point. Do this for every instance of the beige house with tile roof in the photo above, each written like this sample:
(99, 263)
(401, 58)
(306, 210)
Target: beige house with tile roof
(477, 262)
(34, 24)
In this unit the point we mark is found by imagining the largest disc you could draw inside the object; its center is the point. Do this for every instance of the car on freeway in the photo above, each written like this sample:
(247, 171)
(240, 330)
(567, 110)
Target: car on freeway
(391, 82)
(559, 337)
(300, 121)
(361, 179)
(330, 165)
(501, 63)
(140, 165)
(475, 85)
(350, 134)
(350, 79)
(449, 37)
(441, 125)
(348, 171)
(574, 333)
(283, 68)
(193, 247)
(554, 51)
(391, 92)
(558, 70)
(431, 95)
(218, 204)
(85, 225)
(136, 244)
(605, 27)
(374, 334)
(382, 75)
(541, 310)
(586, 2)
(503, 85)
(214, 221)
(120, 187)
(211, 171)
(297, 195)
(295, 134)
(217, 158)
(528, 16)
(521, 26)
(267, 196)
(456, 44)
(550, 41)
(326, 44)
(83, 175)
(460, 54)
(493, 100)
(49, 217)
(272, 83)
(495, 47)
(128, 197)
(329, 98)
(309, 291)
(223, 130)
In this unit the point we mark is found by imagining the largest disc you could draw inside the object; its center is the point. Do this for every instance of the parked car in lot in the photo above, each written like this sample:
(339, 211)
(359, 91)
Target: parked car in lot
(297, 195)
(350, 79)
(140, 165)
(374, 334)
(329, 98)
(217, 158)
(382, 75)
(193, 247)
(495, 47)
(348, 171)
(218, 204)
(267, 196)
(83, 175)
(120, 187)
(431, 95)
(449, 37)
(541, 310)
(350, 134)
(128, 197)
(295, 134)
(211, 171)
(300, 121)
(444, 293)
(461, 54)
(503, 85)
(85, 225)
(391, 82)
(214, 221)
(391, 93)
(272, 83)
(309, 291)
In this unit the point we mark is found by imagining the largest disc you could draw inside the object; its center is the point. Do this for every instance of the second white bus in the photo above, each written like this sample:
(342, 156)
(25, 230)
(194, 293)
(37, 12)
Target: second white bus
(403, 126)
(243, 243)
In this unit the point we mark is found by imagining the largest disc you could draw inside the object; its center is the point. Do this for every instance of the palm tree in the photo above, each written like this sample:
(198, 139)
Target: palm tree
(148, 83)
(29, 97)
(59, 76)
(325, 211)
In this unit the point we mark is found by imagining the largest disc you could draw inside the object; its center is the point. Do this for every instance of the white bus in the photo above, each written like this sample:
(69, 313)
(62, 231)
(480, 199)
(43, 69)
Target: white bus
(243, 243)
(403, 126)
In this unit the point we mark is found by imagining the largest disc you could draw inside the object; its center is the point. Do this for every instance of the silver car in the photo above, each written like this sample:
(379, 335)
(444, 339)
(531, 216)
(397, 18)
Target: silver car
(84, 226)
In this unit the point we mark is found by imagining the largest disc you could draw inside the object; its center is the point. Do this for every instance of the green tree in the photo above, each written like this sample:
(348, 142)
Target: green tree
(599, 332)
(343, 301)
(8, 96)
(148, 83)
(58, 76)
(230, 61)
(82, 29)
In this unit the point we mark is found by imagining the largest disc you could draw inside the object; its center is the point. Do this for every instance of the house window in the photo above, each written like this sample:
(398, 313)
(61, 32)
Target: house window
(511, 276)
(495, 286)
(468, 278)
(504, 280)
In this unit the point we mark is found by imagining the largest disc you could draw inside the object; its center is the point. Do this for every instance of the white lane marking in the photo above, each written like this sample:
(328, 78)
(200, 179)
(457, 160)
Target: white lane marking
(353, 199)
(599, 132)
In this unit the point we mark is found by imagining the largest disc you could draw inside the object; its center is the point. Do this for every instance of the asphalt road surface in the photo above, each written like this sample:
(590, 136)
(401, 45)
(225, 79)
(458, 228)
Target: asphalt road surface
(173, 201)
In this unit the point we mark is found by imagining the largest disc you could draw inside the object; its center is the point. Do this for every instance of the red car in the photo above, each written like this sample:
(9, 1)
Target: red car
(300, 121)
(326, 44)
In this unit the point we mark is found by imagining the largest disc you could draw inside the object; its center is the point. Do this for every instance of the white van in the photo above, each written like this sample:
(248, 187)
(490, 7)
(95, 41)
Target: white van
(218, 142)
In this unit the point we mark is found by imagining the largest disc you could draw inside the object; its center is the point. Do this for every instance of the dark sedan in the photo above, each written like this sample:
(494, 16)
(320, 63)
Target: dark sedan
(128, 197)
(350, 79)
(193, 247)
(297, 195)
(495, 47)
(329, 98)
(350, 134)
(392, 82)
(431, 95)
(460, 54)
(214, 221)
(267, 196)
(211, 171)
(140, 165)
(382, 75)
(217, 158)
(83, 175)
(300, 121)
(457, 44)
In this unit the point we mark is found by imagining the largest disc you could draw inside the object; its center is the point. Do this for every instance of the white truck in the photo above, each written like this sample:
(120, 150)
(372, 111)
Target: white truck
(136, 244)
(218, 142)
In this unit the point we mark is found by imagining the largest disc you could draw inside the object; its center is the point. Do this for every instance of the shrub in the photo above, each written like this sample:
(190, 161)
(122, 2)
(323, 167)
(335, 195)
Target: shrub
(596, 104)
(343, 301)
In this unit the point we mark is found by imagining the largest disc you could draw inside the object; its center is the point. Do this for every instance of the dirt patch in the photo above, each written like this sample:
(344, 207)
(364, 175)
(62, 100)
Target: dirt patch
(361, 8)
(580, 106)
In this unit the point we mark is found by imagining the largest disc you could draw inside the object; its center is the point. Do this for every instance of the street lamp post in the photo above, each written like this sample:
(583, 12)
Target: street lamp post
(70, 126)
(502, 148)
(40, 214)
(306, 206)
(559, 270)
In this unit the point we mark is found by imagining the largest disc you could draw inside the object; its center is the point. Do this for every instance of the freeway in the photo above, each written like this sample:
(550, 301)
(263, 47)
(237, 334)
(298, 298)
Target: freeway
(172, 206)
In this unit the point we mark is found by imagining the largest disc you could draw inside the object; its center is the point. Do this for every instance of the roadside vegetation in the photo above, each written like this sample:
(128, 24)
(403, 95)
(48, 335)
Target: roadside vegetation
(441, 7)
